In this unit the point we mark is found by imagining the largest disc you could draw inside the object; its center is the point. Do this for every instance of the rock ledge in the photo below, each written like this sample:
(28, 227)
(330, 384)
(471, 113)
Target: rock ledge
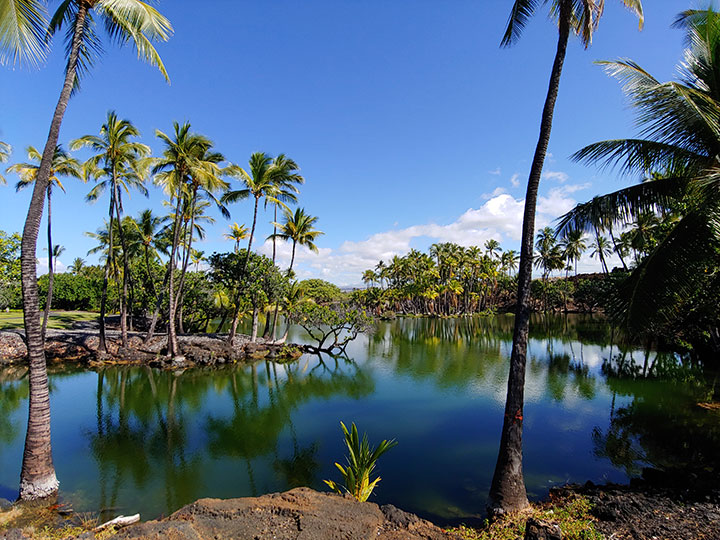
(298, 514)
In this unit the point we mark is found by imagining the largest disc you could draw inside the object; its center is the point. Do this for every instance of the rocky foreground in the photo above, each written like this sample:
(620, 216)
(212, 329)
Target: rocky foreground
(299, 514)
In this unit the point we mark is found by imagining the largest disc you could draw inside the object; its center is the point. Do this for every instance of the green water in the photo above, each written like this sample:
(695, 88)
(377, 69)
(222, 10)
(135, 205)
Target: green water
(129, 440)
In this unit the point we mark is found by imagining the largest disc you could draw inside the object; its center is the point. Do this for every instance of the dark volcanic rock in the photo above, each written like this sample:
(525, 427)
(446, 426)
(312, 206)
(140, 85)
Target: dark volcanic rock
(299, 514)
(653, 509)
(537, 529)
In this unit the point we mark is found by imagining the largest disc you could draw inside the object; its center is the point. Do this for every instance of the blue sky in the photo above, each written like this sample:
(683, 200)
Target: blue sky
(409, 122)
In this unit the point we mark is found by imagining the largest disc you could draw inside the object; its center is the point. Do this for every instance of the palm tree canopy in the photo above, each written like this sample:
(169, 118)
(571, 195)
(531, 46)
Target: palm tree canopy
(125, 21)
(298, 227)
(118, 158)
(62, 165)
(23, 25)
(237, 232)
(189, 166)
(676, 156)
(584, 16)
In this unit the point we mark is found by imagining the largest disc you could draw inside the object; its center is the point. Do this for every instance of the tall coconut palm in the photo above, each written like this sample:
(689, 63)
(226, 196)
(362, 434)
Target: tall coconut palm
(62, 165)
(298, 228)
(237, 233)
(286, 176)
(507, 491)
(117, 165)
(573, 246)
(126, 21)
(23, 24)
(187, 171)
(258, 182)
(601, 249)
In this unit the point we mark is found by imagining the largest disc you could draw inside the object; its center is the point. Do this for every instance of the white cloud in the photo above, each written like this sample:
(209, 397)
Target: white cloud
(558, 176)
(497, 191)
(496, 172)
(500, 217)
(42, 266)
(515, 180)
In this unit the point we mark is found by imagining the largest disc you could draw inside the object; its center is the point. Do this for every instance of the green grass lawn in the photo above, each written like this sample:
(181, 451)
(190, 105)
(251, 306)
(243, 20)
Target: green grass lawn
(60, 320)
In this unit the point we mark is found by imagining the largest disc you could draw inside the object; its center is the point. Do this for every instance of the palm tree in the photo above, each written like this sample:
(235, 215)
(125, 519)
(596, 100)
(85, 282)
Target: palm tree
(509, 260)
(77, 265)
(237, 233)
(23, 25)
(601, 249)
(187, 171)
(491, 247)
(259, 182)
(129, 20)
(507, 491)
(62, 165)
(676, 158)
(119, 162)
(56, 252)
(573, 246)
(298, 228)
(197, 257)
(285, 176)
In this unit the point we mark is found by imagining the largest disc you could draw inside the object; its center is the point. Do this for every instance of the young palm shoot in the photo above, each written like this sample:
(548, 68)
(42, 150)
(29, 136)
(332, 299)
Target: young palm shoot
(361, 463)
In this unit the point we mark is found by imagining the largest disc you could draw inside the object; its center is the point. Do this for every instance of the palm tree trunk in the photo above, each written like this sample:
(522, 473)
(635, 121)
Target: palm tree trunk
(102, 345)
(158, 305)
(37, 477)
(186, 255)
(618, 251)
(236, 316)
(126, 268)
(274, 231)
(253, 336)
(277, 304)
(51, 272)
(507, 491)
(172, 344)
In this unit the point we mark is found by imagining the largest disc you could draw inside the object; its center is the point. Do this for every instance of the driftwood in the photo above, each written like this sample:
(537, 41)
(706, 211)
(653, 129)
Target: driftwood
(120, 521)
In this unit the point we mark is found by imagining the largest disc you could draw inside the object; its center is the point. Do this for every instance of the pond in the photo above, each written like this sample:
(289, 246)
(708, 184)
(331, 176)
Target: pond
(134, 439)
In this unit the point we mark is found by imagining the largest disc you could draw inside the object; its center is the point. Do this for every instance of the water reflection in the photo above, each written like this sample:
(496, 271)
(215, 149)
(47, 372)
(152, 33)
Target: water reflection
(138, 439)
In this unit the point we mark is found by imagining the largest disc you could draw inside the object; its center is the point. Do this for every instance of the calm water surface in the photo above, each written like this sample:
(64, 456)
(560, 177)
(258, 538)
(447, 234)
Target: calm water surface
(129, 440)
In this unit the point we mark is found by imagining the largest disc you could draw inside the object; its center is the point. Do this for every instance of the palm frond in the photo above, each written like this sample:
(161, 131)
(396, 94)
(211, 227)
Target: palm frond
(670, 273)
(23, 25)
(520, 13)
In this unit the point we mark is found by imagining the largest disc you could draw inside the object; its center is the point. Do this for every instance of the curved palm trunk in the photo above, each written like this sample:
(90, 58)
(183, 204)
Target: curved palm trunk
(236, 316)
(51, 270)
(37, 477)
(507, 492)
